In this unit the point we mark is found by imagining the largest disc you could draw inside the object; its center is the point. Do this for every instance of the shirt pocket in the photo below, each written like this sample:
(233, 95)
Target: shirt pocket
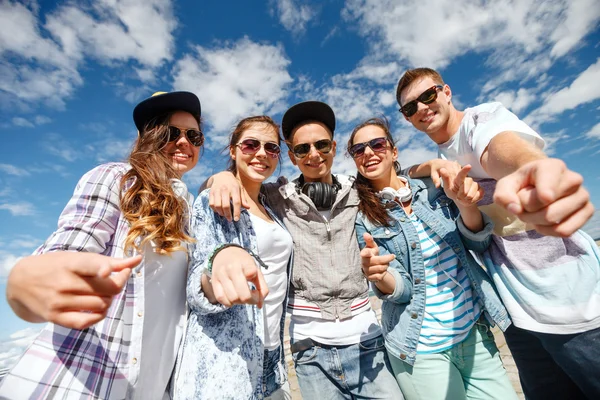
(391, 238)
(442, 203)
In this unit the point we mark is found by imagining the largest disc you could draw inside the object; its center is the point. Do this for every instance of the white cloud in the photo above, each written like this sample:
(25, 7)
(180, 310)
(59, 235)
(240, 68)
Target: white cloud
(23, 122)
(515, 36)
(7, 261)
(41, 120)
(581, 16)
(31, 122)
(12, 170)
(13, 347)
(111, 149)
(594, 133)
(292, 15)
(585, 88)
(62, 149)
(234, 81)
(117, 30)
(45, 58)
(355, 101)
(517, 100)
(22, 208)
(24, 242)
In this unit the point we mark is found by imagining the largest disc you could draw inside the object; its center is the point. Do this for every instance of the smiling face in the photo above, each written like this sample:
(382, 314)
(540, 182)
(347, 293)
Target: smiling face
(252, 169)
(183, 155)
(377, 167)
(315, 166)
(430, 118)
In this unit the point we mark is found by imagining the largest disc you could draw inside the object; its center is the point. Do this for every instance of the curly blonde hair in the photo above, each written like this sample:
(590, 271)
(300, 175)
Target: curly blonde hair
(156, 214)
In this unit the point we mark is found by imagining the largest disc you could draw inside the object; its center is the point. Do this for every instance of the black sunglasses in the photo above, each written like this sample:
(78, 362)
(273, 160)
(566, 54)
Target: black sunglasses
(427, 97)
(378, 145)
(323, 146)
(195, 137)
(252, 146)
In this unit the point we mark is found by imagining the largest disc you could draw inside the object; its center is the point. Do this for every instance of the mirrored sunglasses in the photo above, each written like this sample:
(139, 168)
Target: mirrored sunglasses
(378, 145)
(252, 146)
(427, 97)
(195, 137)
(322, 146)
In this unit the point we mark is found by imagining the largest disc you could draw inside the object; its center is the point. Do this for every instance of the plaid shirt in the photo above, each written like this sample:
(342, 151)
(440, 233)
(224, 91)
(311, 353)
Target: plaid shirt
(103, 361)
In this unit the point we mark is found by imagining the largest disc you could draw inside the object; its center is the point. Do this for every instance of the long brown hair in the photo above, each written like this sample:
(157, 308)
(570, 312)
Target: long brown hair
(370, 204)
(148, 201)
(244, 125)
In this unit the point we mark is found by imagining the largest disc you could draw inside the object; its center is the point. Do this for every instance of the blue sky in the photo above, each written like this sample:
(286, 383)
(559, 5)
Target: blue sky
(71, 73)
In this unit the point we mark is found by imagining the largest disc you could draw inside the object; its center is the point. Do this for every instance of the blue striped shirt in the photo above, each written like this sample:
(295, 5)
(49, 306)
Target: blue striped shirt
(451, 307)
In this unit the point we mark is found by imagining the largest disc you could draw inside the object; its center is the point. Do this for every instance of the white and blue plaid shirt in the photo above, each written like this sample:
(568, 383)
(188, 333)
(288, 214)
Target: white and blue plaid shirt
(102, 361)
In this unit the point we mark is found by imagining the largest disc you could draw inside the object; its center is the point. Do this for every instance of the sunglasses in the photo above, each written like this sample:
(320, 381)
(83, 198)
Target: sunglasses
(378, 145)
(252, 146)
(427, 97)
(195, 137)
(322, 146)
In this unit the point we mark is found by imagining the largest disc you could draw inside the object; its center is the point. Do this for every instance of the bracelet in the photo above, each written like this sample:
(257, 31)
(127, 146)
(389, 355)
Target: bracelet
(213, 254)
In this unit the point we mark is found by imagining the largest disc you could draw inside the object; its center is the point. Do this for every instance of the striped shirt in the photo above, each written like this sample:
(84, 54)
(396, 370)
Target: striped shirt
(102, 361)
(451, 307)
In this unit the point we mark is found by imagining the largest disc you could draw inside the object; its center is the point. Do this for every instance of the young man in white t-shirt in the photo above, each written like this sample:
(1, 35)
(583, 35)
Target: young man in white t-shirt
(546, 270)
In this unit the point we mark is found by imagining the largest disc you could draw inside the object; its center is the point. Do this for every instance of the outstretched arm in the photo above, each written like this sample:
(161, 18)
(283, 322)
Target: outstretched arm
(58, 287)
(539, 190)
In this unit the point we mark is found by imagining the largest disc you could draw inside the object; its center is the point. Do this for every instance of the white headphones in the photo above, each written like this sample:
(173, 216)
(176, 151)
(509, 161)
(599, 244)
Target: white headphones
(404, 194)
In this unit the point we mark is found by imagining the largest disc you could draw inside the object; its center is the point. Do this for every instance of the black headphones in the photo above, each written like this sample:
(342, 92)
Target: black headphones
(322, 194)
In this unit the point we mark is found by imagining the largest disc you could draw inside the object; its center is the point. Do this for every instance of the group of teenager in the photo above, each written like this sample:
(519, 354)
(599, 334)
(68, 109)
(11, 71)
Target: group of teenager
(151, 295)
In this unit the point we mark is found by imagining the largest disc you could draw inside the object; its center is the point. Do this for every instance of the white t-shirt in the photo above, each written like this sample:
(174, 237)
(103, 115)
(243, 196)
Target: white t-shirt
(164, 320)
(548, 284)
(164, 314)
(478, 127)
(274, 248)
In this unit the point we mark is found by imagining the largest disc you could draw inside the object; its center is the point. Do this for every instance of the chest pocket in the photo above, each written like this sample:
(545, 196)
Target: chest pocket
(443, 203)
(391, 237)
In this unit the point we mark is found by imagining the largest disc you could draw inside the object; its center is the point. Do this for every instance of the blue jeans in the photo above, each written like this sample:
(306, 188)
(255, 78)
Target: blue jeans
(358, 371)
(470, 370)
(556, 366)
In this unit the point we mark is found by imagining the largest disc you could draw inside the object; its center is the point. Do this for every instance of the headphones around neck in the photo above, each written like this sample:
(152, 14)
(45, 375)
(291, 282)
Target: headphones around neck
(404, 194)
(322, 194)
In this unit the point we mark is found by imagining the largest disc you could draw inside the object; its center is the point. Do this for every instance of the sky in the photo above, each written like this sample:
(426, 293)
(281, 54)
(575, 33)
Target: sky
(72, 71)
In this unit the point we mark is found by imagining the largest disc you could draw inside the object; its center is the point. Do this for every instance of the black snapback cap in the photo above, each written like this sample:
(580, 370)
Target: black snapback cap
(304, 112)
(162, 103)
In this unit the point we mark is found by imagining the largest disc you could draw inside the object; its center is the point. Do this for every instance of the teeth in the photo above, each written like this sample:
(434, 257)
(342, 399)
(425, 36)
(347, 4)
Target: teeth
(371, 163)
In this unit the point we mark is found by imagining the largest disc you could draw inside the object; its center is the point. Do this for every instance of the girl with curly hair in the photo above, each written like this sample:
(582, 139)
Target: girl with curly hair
(115, 323)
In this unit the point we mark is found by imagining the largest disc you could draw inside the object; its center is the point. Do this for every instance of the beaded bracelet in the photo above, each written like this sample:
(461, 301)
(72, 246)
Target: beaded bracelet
(213, 254)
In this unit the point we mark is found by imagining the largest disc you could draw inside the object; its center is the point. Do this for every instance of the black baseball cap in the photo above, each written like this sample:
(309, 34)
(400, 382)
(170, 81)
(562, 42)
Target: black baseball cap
(304, 112)
(165, 102)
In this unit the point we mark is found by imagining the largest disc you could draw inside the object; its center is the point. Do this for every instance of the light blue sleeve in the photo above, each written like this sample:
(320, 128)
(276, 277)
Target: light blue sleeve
(209, 230)
(476, 241)
(403, 289)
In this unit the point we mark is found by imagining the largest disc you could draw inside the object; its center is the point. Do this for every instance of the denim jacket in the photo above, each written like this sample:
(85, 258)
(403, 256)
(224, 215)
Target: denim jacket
(403, 310)
(223, 351)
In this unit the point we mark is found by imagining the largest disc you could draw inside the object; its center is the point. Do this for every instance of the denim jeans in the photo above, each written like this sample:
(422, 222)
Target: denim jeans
(359, 371)
(556, 366)
(470, 370)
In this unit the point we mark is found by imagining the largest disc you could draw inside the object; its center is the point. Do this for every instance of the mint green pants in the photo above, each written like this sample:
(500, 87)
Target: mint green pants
(469, 370)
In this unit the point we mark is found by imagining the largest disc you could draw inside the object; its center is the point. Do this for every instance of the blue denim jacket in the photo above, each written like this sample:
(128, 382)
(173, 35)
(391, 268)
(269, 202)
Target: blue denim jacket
(223, 352)
(403, 310)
